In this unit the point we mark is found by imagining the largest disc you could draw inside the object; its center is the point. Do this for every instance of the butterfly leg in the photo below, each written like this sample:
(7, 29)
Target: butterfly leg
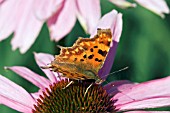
(88, 89)
(71, 82)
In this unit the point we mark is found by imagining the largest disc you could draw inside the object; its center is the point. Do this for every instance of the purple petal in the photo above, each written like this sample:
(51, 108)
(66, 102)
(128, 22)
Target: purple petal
(90, 11)
(29, 75)
(143, 95)
(61, 23)
(43, 59)
(123, 3)
(118, 86)
(14, 96)
(112, 20)
(159, 6)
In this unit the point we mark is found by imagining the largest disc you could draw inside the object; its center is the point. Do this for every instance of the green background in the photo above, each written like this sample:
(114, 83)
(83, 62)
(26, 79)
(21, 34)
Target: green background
(144, 47)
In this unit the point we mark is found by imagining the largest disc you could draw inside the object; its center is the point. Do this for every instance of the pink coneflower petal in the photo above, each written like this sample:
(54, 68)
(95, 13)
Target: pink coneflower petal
(22, 22)
(63, 20)
(143, 95)
(29, 75)
(157, 6)
(14, 96)
(123, 3)
(148, 112)
(25, 20)
(7, 25)
(46, 8)
(112, 20)
(90, 11)
(27, 28)
(147, 103)
(1, 1)
(118, 86)
(43, 59)
(36, 95)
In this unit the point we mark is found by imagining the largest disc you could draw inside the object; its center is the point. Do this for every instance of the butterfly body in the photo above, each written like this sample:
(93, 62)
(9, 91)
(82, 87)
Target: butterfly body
(85, 58)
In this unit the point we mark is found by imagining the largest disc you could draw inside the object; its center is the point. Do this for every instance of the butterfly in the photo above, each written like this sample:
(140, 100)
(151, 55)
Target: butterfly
(85, 58)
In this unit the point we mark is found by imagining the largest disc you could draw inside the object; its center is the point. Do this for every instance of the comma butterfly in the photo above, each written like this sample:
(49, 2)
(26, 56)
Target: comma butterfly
(85, 58)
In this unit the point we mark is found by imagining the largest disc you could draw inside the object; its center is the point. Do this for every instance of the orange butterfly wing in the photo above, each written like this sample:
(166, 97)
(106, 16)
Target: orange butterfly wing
(85, 58)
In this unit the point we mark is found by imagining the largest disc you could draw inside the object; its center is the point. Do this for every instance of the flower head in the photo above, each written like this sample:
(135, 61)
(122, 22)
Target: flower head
(113, 97)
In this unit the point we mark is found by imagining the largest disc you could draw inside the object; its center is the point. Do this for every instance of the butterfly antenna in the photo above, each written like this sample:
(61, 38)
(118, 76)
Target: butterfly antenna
(113, 73)
(117, 71)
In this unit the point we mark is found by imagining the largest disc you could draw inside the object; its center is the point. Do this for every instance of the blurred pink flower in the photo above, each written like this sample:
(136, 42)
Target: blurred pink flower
(62, 21)
(125, 95)
(27, 18)
(157, 6)
(1, 1)
(123, 3)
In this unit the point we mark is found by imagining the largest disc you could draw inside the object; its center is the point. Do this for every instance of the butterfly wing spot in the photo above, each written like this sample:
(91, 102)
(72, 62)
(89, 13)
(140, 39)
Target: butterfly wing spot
(108, 43)
(91, 49)
(90, 56)
(95, 47)
(96, 59)
(85, 56)
(75, 59)
(103, 53)
(81, 60)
